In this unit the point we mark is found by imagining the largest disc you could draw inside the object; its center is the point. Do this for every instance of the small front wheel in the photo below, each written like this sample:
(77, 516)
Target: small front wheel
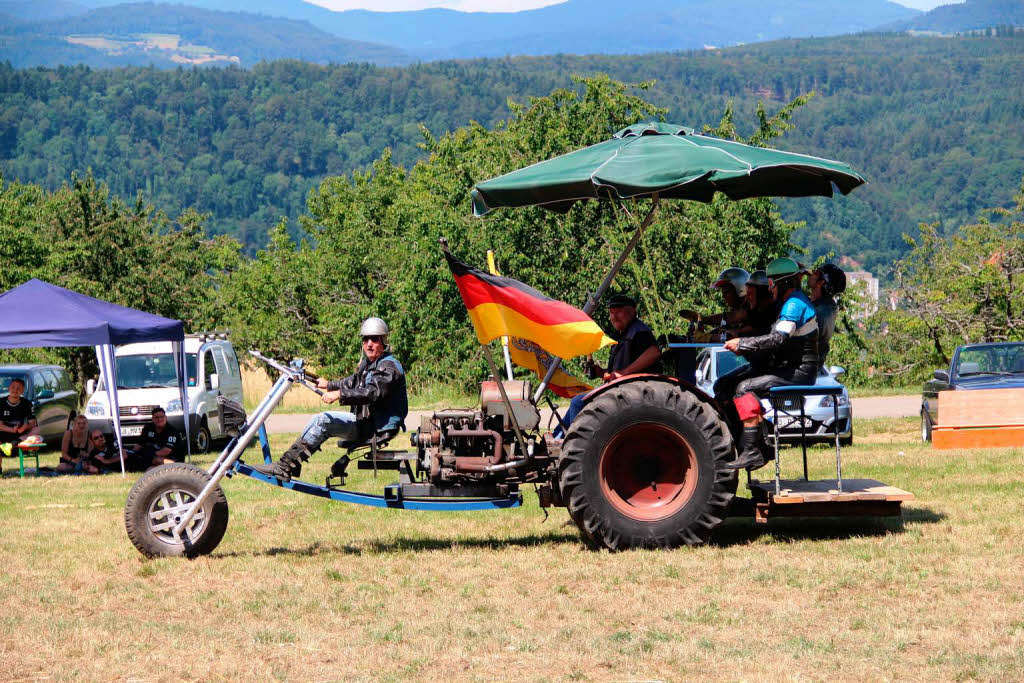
(158, 502)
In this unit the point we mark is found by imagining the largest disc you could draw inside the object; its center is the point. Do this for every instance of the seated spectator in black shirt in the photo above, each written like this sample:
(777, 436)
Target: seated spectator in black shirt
(104, 455)
(17, 420)
(74, 449)
(161, 443)
(636, 351)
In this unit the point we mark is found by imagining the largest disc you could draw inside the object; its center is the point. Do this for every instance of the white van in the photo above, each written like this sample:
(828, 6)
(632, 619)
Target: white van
(146, 379)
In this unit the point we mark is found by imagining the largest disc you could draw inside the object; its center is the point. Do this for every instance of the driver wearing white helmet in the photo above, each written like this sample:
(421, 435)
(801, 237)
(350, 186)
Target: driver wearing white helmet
(375, 392)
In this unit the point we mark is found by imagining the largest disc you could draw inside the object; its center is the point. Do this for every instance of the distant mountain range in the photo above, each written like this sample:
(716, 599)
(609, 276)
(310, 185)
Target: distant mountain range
(968, 16)
(108, 33)
(170, 35)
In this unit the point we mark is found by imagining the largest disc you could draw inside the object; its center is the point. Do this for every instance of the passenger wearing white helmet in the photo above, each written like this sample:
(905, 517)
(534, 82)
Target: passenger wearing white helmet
(732, 283)
(376, 393)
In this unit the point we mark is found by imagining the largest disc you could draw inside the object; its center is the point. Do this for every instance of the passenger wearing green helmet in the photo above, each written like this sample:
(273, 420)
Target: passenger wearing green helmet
(787, 355)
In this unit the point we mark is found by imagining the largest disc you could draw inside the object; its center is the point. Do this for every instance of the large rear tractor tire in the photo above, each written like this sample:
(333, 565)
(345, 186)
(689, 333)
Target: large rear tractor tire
(643, 465)
(158, 502)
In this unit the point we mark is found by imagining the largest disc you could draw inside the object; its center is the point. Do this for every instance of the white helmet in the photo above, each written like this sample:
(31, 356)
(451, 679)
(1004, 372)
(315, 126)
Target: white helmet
(374, 327)
(737, 277)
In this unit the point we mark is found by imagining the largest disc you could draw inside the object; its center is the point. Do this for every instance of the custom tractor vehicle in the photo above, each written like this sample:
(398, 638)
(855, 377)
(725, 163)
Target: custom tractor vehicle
(643, 464)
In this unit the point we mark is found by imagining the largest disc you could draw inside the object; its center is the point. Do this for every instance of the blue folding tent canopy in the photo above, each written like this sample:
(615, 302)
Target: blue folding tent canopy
(40, 314)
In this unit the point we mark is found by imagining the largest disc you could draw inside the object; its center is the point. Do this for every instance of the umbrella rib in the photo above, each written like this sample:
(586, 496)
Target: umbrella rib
(770, 149)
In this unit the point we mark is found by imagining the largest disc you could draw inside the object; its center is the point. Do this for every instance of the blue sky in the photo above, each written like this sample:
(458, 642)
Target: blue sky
(503, 5)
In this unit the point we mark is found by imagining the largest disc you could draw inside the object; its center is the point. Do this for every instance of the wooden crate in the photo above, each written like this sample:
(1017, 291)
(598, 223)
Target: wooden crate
(986, 418)
(822, 498)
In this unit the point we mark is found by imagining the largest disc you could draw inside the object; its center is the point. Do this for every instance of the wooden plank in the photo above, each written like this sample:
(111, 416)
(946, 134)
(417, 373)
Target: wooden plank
(983, 407)
(799, 492)
(986, 437)
(764, 511)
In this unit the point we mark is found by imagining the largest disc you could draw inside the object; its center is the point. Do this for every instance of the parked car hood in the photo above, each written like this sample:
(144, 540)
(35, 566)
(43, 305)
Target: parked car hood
(991, 382)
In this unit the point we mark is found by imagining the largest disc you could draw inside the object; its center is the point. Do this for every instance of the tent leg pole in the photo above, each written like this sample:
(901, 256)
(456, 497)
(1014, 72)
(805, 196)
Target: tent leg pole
(276, 394)
(592, 301)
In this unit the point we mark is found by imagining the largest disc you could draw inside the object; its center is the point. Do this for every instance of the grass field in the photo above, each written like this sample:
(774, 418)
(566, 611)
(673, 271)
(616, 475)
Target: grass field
(303, 589)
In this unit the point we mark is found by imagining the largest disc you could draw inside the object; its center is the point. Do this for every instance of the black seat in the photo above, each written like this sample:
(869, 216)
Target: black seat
(376, 440)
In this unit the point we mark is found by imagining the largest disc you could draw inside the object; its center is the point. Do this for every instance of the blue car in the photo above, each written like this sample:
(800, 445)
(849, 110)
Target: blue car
(995, 365)
(818, 410)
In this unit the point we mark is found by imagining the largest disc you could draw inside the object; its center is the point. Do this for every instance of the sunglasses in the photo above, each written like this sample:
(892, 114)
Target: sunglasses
(373, 338)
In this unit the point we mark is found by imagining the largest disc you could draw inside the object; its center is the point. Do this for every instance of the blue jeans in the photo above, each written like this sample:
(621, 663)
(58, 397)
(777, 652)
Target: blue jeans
(336, 423)
(575, 406)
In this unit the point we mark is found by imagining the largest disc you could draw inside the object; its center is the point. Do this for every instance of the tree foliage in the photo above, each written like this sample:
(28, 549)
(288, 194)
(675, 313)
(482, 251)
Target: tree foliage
(930, 122)
(82, 238)
(964, 288)
(377, 237)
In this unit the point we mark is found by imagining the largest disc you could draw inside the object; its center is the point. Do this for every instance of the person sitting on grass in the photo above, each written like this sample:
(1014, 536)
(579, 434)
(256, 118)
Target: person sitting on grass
(74, 449)
(161, 443)
(104, 455)
(17, 420)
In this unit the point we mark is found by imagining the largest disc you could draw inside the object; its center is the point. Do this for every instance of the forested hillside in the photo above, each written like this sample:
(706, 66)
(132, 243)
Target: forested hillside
(934, 124)
(167, 35)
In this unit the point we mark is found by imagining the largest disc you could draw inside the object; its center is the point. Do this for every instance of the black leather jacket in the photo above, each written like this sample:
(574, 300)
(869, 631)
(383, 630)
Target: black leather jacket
(796, 350)
(376, 389)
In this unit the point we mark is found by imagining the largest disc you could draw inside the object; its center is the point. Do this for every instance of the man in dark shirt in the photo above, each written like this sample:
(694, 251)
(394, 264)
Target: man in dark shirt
(16, 417)
(103, 455)
(161, 443)
(636, 351)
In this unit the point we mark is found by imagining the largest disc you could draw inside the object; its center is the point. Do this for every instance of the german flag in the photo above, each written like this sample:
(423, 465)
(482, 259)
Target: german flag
(528, 355)
(503, 307)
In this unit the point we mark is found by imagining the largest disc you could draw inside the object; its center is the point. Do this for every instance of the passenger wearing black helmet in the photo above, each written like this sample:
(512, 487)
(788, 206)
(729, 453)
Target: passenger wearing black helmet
(787, 355)
(636, 351)
(825, 282)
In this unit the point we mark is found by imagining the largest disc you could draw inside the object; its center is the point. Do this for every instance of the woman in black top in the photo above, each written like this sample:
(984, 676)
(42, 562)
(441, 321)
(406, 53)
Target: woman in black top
(74, 449)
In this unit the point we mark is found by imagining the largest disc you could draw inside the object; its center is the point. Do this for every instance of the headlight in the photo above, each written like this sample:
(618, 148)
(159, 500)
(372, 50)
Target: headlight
(173, 406)
(827, 401)
(94, 409)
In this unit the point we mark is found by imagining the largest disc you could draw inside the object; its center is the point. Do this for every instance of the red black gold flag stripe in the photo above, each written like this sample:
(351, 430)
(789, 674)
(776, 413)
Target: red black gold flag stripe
(500, 307)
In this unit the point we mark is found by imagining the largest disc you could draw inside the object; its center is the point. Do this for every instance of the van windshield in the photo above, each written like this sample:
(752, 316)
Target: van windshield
(144, 371)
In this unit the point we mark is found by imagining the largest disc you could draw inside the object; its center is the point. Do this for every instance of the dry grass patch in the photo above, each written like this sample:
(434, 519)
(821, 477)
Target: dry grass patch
(301, 588)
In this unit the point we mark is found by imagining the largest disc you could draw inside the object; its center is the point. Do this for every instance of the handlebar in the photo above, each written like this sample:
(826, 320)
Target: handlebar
(299, 374)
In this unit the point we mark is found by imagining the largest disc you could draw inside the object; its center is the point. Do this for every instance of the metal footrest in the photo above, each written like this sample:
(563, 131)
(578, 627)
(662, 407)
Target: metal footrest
(386, 460)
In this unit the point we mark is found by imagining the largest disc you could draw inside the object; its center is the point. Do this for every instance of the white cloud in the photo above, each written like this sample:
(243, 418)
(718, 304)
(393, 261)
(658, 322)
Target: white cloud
(462, 5)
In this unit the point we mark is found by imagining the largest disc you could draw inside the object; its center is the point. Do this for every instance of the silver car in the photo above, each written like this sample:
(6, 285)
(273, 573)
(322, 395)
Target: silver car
(819, 411)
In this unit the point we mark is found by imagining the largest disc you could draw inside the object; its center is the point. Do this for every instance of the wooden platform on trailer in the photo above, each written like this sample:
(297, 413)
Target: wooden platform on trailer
(822, 498)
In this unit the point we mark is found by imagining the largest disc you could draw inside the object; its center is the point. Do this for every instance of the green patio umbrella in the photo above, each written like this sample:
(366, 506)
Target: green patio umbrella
(671, 161)
(660, 161)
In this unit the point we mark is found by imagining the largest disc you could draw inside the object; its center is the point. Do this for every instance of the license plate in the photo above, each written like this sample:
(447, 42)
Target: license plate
(793, 422)
(131, 431)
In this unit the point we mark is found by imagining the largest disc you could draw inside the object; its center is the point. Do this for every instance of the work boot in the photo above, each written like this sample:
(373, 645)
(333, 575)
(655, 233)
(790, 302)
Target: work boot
(290, 464)
(750, 456)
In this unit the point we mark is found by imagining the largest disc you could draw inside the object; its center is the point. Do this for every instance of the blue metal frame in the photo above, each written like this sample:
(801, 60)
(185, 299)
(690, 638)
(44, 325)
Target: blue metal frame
(372, 500)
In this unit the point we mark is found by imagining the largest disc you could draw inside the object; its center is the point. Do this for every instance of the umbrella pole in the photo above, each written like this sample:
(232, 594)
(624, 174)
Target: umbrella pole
(592, 301)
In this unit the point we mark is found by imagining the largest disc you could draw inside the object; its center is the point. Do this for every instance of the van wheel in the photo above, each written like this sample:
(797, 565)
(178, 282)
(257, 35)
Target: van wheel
(201, 441)
(926, 426)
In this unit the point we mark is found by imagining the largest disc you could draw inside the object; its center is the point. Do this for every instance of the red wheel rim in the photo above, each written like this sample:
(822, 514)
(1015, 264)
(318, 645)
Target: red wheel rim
(648, 471)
